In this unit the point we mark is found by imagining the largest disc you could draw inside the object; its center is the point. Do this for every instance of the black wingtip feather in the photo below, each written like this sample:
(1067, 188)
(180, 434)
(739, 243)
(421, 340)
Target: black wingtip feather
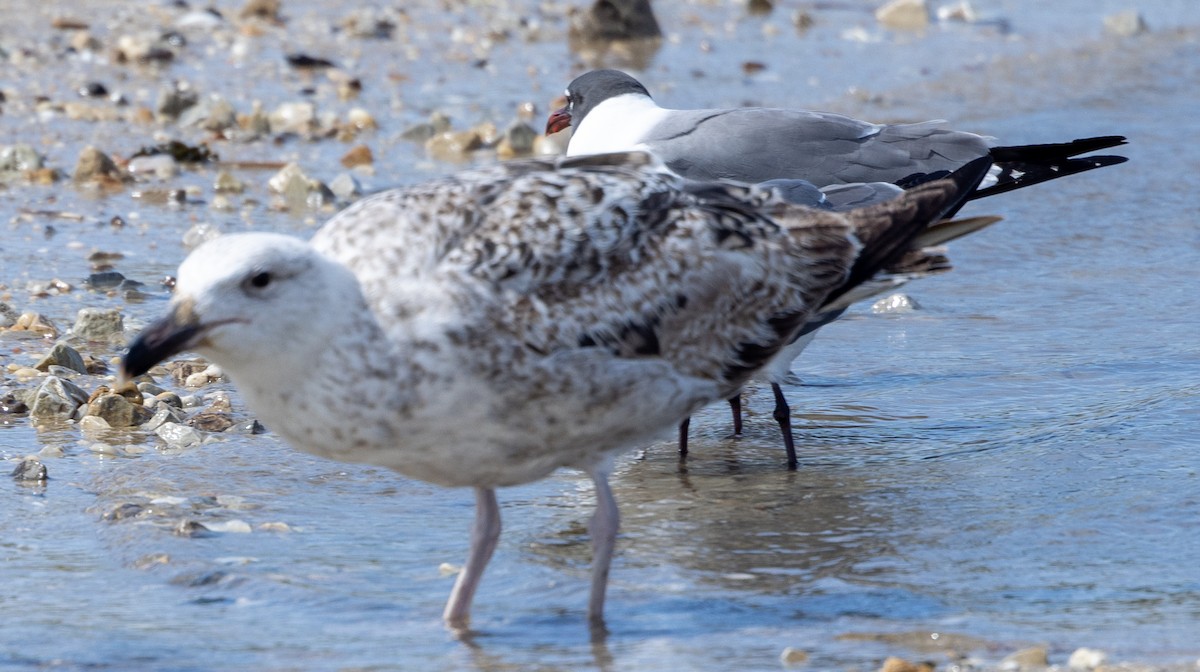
(1056, 151)
(1029, 174)
(885, 249)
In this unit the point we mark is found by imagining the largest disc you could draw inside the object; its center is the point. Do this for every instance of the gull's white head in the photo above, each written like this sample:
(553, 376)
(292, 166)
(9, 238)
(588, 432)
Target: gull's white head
(242, 300)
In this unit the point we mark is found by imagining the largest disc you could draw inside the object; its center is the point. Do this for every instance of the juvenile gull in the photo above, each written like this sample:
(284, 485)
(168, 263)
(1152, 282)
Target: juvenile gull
(488, 328)
(817, 158)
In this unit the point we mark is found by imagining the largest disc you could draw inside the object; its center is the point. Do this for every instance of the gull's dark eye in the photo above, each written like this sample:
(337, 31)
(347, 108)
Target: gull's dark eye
(260, 280)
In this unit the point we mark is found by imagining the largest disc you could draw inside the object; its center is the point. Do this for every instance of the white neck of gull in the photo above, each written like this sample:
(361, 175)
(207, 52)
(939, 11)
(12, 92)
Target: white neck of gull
(618, 124)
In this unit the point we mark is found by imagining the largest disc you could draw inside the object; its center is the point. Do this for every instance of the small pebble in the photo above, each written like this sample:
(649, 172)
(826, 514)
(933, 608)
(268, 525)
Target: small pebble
(234, 526)
(359, 155)
(1032, 657)
(894, 664)
(106, 449)
(56, 399)
(29, 469)
(345, 187)
(1086, 659)
(124, 511)
(93, 423)
(99, 325)
(792, 656)
(904, 15)
(179, 436)
(95, 166)
(191, 528)
(1125, 24)
(62, 355)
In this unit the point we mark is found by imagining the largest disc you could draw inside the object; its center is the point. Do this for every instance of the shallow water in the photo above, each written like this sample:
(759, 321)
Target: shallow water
(1012, 464)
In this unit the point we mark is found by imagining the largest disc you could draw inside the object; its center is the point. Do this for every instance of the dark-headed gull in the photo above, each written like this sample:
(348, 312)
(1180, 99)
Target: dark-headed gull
(816, 158)
(610, 111)
(488, 328)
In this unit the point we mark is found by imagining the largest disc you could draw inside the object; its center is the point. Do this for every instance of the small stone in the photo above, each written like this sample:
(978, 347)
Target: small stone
(99, 325)
(161, 166)
(197, 379)
(226, 183)
(179, 436)
(119, 411)
(124, 511)
(104, 280)
(438, 123)
(453, 146)
(894, 664)
(361, 120)
(8, 315)
(163, 414)
(275, 527)
(298, 118)
(279, 181)
(93, 423)
(105, 449)
(1033, 657)
(26, 373)
(1086, 659)
(146, 48)
(904, 15)
(96, 166)
(200, 233)
(221, 115)
(174, 101)
(208, 421)
(792, 656)
(62, 355)
(607, 21)
(961, 11)
(1125, 24)
(803, 20)
(11, 404)
(234, 526)
(359, 155)
(895, 304)
(247, 427)
(36, 323)
(345, 187)
(517, 141)
(261, 9)
(170, 399)
(191, 529)
(759, 7)
(29, 469)
(56, 399)
(19, 159)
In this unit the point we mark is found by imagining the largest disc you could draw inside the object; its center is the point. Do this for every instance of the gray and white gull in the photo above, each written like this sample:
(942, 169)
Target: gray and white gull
(815, 158)
(488, 328)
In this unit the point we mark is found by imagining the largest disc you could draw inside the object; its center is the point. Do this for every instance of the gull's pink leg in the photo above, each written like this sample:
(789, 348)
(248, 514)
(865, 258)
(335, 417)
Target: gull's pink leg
(485, 533)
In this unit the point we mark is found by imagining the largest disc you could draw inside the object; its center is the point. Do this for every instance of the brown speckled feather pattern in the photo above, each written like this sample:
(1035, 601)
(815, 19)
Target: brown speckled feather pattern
(604, 251)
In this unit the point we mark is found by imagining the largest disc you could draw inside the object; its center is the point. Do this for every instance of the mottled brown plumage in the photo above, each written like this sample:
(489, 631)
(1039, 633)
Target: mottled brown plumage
(488, 328)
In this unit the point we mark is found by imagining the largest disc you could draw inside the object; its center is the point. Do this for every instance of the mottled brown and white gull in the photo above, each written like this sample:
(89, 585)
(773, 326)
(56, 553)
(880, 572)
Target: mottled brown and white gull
(816, 158)
(488, 328)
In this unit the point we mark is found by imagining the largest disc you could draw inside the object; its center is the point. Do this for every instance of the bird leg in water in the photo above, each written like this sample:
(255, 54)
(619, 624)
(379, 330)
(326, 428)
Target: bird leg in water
(735, 405)
(783, 415)
(485, 533)
(683, 437)
(603, 530)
